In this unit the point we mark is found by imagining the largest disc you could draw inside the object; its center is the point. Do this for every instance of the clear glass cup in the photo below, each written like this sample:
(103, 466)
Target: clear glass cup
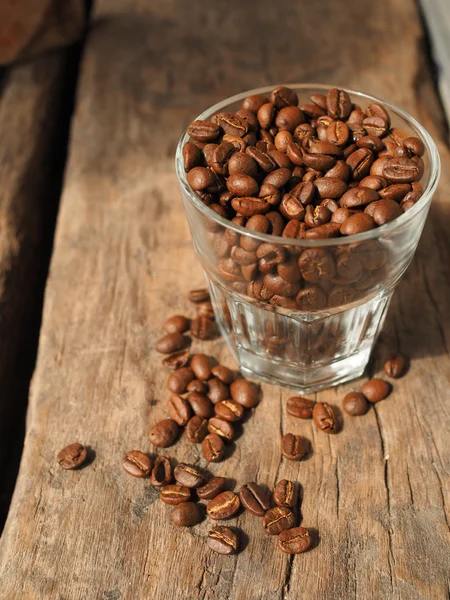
(279, 337)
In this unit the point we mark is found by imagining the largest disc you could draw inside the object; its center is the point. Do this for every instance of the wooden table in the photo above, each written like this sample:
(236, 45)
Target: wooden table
(378, 493)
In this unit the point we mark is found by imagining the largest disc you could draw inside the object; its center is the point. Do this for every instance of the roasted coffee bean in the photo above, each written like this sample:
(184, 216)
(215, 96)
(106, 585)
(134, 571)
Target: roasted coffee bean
(200, 295)
(305, 192)
(243, 257)
(254, 102)
(229, 410)
(232, 124)
(176, 324)
(217, 390)
(378, 165)
(192, 156)
(269, 193)
(250, 119)
(178, 380)
(213, 447)
(176, 360)
(208, 152)
(201, 404)
(179, 409)
(277, 285)
(164, 433)
(341, 171)
(200, 365)
(339, 104)
(395, 367)
(395, 192)
(311, 297)
(223, 373)
(316, 264)
(357, 223)
(320, 100)
(375, 182)
(355, 404)
(171, 343)
(401, 170)
(289, 271)
(329, 187)
(317, 216)
(371, 142)
(254, 499)
(186, 514)
(291, 207)
(72, 456)
(212, 487)
(278, 177)
(223, 540)
(320, 147)
(327, 230)
(340, 295)
(312, 110)
(288, 118)
(295, 154)
(242, 185)
(221, 427)
(203, 131)
(293, 447)
(319, 162)
(175, 494)
(196, 429)
(245, 392)
(415, 145)
(197, 386)
(340, 215)
(205, 309)
(202, 328)
(201, 178)
(324, 417)
(376, 126)
(376, 389)
(349, 267)
(282, 140)
(285, 493)
(337, 133)
(265, 115)
(360, 162)
(162, 472)
(294, 541)
(278, 519)
(188, 475)
(300, 407)
(360, 196)
(383, 211)
(137, 464)
(295, 230)
(241, 163)
(223, 506)
(249, 207)
(282, 96)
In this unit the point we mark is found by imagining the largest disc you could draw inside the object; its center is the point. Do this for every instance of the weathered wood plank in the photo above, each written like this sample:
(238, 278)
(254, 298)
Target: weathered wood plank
(378, 493)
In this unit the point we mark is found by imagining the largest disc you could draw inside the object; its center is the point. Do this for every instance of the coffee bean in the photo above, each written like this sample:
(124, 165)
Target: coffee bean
(200, 295)
(223, 506)
(254, 499)
(325, 231)
(176, 360)
(265, 162)
(205, 309)
(186, 514)
(232, 124)
(316, 264)
(217, 390)
(213, 447)
(371, 142)
(415, 145)
(222, 373)
(179, 409)
(340, 295)
(289, 271)
(383, 211)
(395, 367)
(254, 102)
(376, 126)
(285, 493)
(324, 417)
(288, 118)
(72, 456)
(291, 207)
(201, 404)
(221, 427)
(196, 429)
(175, 494)
(329, 187)
(229, 410)
(357, 223)
(278, 519)
(339, 104)
(242, 185)
(300, 407)
(355, 404)
(202, 328)
(278, 177)
(200, 365)
(245, 392)
(319, 162)
(340, 215)
(277, 285)
(294, 541)
(211, 488)
(249, 207)
(223, 540)
(317, 216)
(137, 464)
(360, 162)
(171, 343)
(265, 115)
(401, 170)
(376, 389)
(176, 324)
(162, 472)
(188, 475)
(311, 297)
(358, 197)
(201, 178)
(282, 96)
(192, 156)
(341, 170)
(294, 447)
(203, 131)
(164, 433)
(337, 133)
(179, 379)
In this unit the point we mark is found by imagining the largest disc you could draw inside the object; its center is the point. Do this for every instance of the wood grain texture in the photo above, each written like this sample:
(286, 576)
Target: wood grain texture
(378, 493)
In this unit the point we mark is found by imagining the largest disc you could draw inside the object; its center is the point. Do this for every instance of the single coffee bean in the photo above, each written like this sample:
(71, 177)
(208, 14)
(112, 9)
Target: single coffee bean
(265, 115)
(375, 126)
(355, 404)
(249, 207)
(217, 390)
(179, 379)
(229, 410)
(164, 433)
(383, 211)
(325, 231)
(278, 519)
(358, 197)
(317, 216)
(370, 141)
(188, 475)
(294, 541)
(288, 118)
(396, 191)
(311, 297)
(213, 447)
(200, 365)
(254, 499)
(175, 494)
(294, 447)
(232, 124)
(179, 409)
(329, 187)
(211, 488)
(176, 360)
(415, 145)
(137, 464)
(176, 324)
(202, 328)
(278, 177)
(291, 207)
(205, 309)
(401, 170)
(171, 343)
(341, 170)
(72, 456)
(376, 389)
(319, 162)
(186, 514)
(316, 264)
(254, 102)
(282, 96)
(223, 540)
(241, 163)
(285, 493)
(162, 472)
(324, 417)
(300, 407)
(360, 162)
(203, 131)
(201, 178)
(277, 285)
(223, 373)
(395, 367)
(221, 427)
(340, 295)
(242, 185)
(201, 404)
(223, 506)
(196, 429)
(339, 104)
(200, 295)
(340, 215)
(245, 392)
(197, 386)
(357, 223)
(192, 156)
(337, 133)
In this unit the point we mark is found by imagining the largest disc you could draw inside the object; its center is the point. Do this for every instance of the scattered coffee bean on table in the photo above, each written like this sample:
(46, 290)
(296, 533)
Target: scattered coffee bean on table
(72, 456)
(188, 476)
(162, 472)
(245, 392)
(179, 409)
(254, 499)
(229, 410)
(196, 429)
(223, 540)
(175, 494)
(200, 295)
(285, 493)
(164, 433)
(137, 464)
(355, 404)
(294, 447)
(186, 514)
(176, 360)
(222, 373)
(179, 379)
(201, 404)
(211, 488)
(202, 328)
(213, 447)
(395, 367)
(300, 407)
(278, 519)
(201, 366)
(294, 541)
(176, 324)
(221, 427)
(324, 417)
(223, 506)
(171, 343)
(376, 389)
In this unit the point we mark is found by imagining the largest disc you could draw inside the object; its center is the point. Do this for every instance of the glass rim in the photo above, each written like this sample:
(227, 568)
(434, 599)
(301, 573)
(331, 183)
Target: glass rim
(431, 149)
